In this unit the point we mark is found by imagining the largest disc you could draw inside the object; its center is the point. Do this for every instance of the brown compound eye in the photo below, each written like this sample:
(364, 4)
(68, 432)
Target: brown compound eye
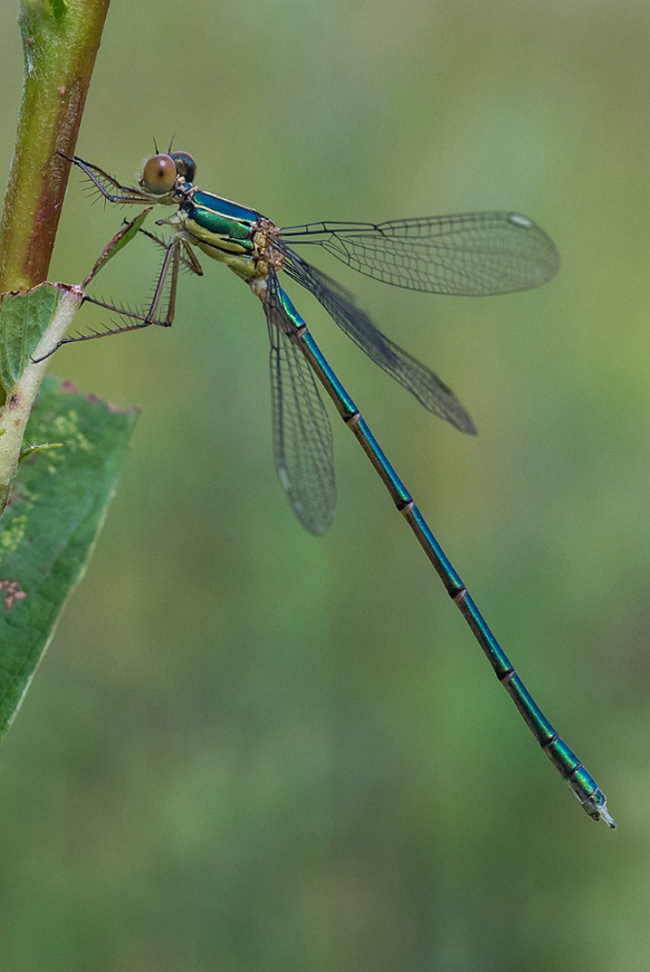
(159, 174)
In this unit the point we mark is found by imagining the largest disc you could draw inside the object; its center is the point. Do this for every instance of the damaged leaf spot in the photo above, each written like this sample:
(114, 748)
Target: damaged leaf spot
(12, 536)
(13, 593)
(68, 428)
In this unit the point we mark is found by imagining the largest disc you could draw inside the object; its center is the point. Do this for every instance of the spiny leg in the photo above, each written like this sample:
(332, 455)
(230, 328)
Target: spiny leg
(189, 261)
(171, 264)
(127, 194)
(177, 260)
(121, 238)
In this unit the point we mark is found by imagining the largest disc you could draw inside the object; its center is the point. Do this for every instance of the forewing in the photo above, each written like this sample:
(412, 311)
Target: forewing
(302, 434)
(427, 387)
(470, 254)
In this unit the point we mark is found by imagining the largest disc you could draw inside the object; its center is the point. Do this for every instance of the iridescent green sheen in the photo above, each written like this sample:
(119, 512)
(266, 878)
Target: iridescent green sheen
(563, 757)
(335, 389)
(494, 652)
(216, 207)
(539, 725)
(371, 447)
(217, 223)
(434, 551)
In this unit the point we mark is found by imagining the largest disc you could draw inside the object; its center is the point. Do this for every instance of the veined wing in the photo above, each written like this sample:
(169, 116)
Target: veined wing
(470, 254)
(302, 434)
(429, 390)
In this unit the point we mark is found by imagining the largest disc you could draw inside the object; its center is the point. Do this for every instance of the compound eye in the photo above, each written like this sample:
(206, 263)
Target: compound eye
(159, 174)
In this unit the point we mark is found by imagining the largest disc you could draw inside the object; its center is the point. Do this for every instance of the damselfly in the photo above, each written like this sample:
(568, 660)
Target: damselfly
(469, 254)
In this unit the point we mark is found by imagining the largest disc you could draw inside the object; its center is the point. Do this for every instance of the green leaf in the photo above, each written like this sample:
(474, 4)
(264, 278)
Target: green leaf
(58, 504)
(24, 318)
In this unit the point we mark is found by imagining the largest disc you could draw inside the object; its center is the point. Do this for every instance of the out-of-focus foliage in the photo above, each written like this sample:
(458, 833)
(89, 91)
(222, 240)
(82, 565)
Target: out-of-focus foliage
(252, 750)
(58, 504)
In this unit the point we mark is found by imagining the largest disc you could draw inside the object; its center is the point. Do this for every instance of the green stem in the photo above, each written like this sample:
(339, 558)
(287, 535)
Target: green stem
(22, 395)
(60, 41)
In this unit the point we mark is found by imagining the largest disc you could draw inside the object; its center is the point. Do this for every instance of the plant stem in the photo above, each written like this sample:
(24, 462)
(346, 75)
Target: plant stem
(60, 41)
(13, 417)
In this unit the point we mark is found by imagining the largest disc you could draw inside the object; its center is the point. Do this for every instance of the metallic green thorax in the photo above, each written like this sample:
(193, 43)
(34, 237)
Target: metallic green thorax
(221, 229)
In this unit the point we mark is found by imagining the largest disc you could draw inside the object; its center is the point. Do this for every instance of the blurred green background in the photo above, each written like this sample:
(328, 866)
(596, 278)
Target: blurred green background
(250, 750)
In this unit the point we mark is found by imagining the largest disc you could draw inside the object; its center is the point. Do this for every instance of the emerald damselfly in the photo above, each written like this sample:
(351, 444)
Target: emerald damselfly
(468, 254)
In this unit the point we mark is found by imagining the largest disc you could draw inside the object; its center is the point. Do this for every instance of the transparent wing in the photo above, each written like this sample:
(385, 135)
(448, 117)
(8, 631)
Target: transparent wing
(469, 254)
(429, 390)
(302, 434)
